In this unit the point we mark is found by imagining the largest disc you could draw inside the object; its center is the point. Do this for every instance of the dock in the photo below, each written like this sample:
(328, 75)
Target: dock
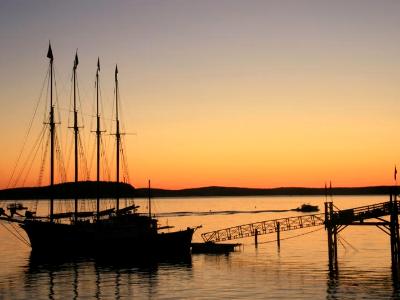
(333, 220)
(211, 247)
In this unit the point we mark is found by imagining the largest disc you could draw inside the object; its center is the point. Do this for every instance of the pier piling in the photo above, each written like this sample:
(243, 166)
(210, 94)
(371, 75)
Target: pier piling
(331, 229)
(278, 234)
(394, 235)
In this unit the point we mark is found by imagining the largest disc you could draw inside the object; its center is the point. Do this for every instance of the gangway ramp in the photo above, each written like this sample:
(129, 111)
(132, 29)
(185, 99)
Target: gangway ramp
(352, 216)
(263, 227)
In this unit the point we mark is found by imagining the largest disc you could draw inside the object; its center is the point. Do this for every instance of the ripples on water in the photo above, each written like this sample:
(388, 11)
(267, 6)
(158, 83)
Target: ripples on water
(298, 270)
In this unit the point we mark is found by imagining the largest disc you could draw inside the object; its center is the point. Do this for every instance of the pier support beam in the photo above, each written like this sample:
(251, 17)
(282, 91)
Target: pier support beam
(331, 229)
(278, 234)
(394, 236)
(256, 238)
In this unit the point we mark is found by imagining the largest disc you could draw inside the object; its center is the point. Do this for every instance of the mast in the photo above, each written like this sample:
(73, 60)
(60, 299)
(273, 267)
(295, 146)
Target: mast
(52, 133)
(98, 136)
(117, 133)
(76, 132)
(149, 200)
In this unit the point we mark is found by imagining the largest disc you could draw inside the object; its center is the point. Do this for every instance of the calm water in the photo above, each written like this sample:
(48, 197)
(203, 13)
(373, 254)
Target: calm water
(298, 270)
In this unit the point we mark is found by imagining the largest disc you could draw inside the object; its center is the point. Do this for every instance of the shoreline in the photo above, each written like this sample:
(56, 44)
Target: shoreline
(92, 190)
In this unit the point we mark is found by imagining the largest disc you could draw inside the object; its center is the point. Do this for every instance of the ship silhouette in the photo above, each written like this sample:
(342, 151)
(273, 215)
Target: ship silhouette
(118, 229)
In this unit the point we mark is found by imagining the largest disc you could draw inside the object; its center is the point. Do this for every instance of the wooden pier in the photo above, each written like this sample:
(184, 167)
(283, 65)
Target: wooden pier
(334, 220)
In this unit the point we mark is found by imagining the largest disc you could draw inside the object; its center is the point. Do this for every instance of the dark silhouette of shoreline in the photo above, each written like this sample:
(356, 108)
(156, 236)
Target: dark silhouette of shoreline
(90, 190)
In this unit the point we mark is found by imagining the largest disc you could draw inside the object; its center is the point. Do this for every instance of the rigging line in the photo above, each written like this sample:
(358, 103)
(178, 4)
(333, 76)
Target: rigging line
(93, 107)
(124, 171)
(64, 83)
(70, 111)
(351, 246)
(343, 245)
(47, 97)
(91, 157)
(83, 158)
(69, 152)
(106, 141)
(57, 102)
(16, 236)
(29, 160)
(59, 141)
(101, 98)
(18, 232)
(112, 112)
(121, 152)
(92, 122)
(105, 169)
(292, 237)
(105, 118)
(102, 105)
(85, 105)
(60, 160)
(29, 128)
(34, 158)
(82, 114)
(125, 164)
(112, 163)
(44, 156)
(121, 111)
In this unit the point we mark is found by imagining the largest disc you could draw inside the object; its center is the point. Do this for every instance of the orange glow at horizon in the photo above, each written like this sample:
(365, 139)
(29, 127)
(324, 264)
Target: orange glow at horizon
(240, 140)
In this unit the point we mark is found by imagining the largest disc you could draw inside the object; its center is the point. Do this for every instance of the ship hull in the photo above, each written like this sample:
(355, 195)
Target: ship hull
(104, 238)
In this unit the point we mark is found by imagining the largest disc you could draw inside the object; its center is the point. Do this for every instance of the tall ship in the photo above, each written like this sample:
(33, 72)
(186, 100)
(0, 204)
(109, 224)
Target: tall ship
(119, 229)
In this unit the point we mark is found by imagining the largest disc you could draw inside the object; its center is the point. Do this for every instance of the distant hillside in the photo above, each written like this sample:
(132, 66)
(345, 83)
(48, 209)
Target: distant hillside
(88, 189)
(84, 189)
(282, 191)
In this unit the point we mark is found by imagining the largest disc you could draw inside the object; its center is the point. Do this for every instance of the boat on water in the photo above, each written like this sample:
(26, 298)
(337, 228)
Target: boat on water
(306, 207)
(101, 231)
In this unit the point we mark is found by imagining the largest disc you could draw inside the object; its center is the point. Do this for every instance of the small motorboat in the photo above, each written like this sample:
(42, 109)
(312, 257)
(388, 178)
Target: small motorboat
(306, 207)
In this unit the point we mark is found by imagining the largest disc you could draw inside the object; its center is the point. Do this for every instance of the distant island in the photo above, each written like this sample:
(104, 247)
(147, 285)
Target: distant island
(105, 189)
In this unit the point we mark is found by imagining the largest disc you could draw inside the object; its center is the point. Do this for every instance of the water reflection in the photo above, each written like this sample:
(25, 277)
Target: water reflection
(352, 283)
(80, 277)
(396, 284)
(51, 284)
(299, 270)
(77, 278)
(97, 282)
(332, 284)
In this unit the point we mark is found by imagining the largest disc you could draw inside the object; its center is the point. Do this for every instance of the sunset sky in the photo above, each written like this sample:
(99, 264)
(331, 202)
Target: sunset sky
(233, 93)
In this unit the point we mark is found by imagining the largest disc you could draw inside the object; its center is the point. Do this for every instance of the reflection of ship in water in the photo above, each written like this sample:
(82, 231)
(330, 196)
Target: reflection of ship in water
(98, 231)
(80, 278)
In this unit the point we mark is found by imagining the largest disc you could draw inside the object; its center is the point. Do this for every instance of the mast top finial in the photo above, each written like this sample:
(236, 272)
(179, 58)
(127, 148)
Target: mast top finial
(50, 53)
(76, 61)
(116, 72)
